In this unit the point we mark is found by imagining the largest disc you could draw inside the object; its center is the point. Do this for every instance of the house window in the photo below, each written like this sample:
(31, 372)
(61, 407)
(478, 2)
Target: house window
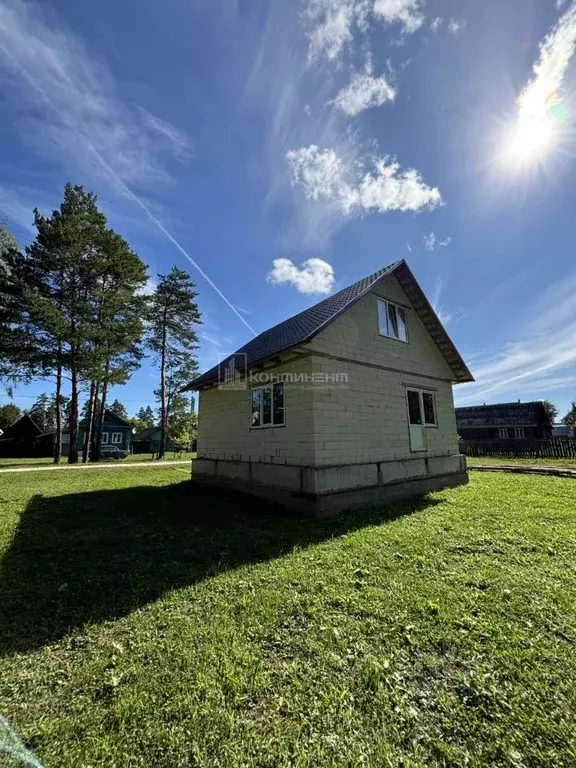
(105, 437)
(392, 320)
(267, 406)
(116, 437)
(519, 433)
(421, 408)
(503, 433)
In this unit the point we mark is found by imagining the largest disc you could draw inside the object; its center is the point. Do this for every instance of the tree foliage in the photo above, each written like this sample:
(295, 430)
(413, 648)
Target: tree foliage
(172, 338)
(84, 303)
(146, 415)
(551, 416)
(119, 409)
(570, 418)
(9, 414)
(18, 352)
(43, 411)
(182, 425)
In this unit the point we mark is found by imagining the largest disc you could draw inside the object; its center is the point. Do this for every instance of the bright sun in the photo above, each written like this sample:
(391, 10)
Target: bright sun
(530, 139)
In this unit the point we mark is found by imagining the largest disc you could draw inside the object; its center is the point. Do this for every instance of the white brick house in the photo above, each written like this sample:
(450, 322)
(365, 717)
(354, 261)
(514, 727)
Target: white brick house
(347, 404)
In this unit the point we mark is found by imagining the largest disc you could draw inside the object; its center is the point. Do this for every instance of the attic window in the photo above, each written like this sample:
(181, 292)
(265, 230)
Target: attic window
(392, 320)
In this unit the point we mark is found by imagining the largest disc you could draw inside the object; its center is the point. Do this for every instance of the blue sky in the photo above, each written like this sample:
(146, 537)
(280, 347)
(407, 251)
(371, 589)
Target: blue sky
(280, 151)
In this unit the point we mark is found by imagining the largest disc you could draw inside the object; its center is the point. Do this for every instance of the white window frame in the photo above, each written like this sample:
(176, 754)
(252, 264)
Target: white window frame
(105, 436)
(116, 438)
(385, 332)
(262, 388)
(502, 433)
(519, 433)
(421, 393)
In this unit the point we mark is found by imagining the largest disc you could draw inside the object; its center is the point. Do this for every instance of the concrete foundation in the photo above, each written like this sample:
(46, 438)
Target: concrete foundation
(328, 490)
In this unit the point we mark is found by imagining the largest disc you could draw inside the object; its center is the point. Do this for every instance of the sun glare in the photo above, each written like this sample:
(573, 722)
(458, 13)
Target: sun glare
(530, 139)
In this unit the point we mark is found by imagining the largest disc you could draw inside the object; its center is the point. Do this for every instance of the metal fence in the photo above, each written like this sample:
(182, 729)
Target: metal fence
(555, 448)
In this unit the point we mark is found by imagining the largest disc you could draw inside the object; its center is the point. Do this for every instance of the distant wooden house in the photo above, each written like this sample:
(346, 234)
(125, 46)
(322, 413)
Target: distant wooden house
(116, 431)
(562, 430)
(503, 421)
(24, 439)
(148, 441)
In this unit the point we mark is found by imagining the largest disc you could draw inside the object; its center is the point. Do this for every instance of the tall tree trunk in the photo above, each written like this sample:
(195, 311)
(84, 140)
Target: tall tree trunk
(58, 445)
(93, 420)
(73, 452)
(163, 414)
(101, 415)
(89, 419)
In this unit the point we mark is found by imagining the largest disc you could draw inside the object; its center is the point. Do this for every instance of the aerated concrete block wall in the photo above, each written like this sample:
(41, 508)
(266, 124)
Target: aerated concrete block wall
(367, 420)
(224, 419)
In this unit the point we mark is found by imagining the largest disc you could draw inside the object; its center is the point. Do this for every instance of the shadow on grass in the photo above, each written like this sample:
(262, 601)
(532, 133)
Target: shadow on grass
(92, 556)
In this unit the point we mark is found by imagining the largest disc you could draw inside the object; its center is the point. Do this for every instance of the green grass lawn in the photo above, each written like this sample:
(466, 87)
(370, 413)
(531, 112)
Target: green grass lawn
(133, 457)
(485, 460)
(148, 622)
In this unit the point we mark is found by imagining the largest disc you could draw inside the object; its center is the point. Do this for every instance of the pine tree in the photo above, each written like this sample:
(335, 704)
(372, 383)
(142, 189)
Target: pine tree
(43, 413)
(18, 350)
(172, 337)
(118, 311)
(62, 262)
(119, 409)
(146, 415)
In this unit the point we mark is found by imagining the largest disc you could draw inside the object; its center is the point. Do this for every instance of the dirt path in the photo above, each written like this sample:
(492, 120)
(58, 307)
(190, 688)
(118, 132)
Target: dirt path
(523, 469)
(115, 465)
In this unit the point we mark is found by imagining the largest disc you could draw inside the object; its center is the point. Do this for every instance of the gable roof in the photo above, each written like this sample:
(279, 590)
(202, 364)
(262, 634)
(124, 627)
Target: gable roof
(146, 434)
(109, 416)
(304, 326)
(501, 414)
(25, 427)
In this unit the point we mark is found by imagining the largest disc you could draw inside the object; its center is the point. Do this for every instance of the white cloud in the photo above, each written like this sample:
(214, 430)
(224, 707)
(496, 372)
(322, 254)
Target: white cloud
(436, 24)
(174, 138)
(331, 25)
(323, 175)
(436, 302)
(313, 276)
(556, 50)
(456, 26)
(149, 288)
(543, 352)
(431, 241)
(81, 114)
(364, 92)
(405, 12)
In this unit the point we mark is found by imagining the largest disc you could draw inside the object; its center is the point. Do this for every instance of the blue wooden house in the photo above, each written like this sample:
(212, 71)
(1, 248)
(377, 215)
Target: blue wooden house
(115, 432)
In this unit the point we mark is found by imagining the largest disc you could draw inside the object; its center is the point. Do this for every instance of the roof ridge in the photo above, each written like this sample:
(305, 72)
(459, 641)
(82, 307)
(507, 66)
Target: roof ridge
(302, 327)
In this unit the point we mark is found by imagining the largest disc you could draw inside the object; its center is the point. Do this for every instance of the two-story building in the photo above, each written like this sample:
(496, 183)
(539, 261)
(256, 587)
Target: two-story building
(347, 404)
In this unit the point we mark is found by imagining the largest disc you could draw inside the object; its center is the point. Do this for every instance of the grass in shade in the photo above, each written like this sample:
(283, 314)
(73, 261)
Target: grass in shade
(146, 621)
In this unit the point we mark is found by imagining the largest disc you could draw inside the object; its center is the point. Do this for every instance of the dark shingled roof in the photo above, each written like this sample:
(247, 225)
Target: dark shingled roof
(107, 415)
(146, 434)
(502, 415)
(302, 328)
(24, 428)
